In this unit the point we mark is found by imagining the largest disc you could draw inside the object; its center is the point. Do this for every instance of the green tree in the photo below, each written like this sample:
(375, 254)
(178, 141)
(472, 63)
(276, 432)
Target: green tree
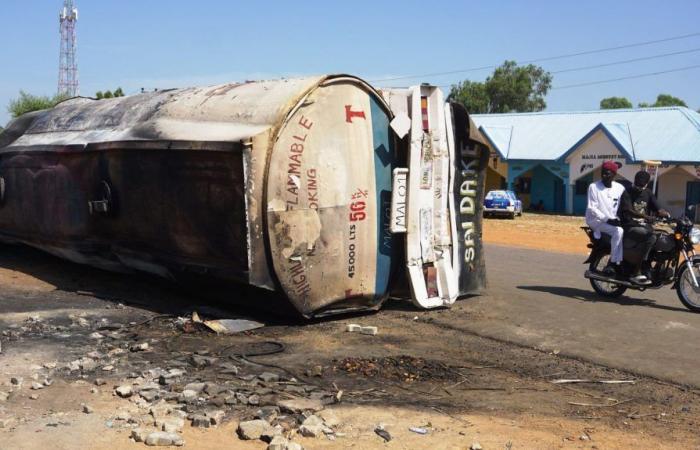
(669, 100)
(99, 95)
(27, 103)
(472, 95)
(663, 100)
(510, 88)
(615, 103)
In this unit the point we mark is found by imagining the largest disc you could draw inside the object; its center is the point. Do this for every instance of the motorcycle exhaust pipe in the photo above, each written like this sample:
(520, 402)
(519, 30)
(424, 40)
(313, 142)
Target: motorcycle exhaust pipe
(599, 277)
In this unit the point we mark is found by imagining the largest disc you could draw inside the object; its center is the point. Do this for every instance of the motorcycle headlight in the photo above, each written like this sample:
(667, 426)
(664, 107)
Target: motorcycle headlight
(695, 236)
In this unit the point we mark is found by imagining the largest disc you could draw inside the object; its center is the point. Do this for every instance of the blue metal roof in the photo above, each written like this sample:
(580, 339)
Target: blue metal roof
(664, 134)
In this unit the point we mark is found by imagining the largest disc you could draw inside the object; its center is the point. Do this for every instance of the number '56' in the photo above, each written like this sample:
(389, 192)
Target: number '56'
(357, 212)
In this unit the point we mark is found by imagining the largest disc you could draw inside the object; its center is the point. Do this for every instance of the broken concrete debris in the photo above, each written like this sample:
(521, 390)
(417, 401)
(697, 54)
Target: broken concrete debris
(161, 438)
(355, 328)
(252, 429)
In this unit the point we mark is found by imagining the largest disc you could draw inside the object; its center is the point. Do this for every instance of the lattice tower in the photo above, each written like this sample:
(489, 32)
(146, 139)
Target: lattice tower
(68, 64)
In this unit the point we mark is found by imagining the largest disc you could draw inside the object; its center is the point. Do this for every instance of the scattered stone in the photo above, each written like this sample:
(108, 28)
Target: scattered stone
(94, 355)
(188, 396)
(96, 335)
(254, 400)
(353, 328)
(299, 405)
(329, 418)
(149, 395)
(36, 386)
(48, 382)
(161, 438)
(268, 413)
(214, 389)
(312, 426)
(242, 398)
(33, 397)
(87, 409)
(196, 387)
(475, 446)
(94, 390)
(201, 421)
(418, 430)
(4, 396)
(142, 347)
(200, 361)
(172, 424)
(17, 381)
(228, 368)
(50, 365)
(315, 371)
(269, 377)
(99, 382)
(108, 368)
(372, 331)
(5, 423)
(252, 429)
(216, 417)
(270, 433)
(124, 391)
(382, 433)
(139, 434)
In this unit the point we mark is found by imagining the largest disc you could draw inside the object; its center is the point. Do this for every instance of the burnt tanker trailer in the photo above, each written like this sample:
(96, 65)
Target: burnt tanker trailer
(309, 187)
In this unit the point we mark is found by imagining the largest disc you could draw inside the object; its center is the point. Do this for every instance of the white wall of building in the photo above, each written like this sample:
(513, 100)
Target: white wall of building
(672, 189)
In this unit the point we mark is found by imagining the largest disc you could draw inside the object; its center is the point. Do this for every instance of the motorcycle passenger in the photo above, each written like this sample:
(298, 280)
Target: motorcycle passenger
(601, 212)
(637, 208)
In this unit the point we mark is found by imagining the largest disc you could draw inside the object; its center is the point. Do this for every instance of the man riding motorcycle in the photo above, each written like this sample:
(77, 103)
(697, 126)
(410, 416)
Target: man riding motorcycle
(601, 212)
(638, 206)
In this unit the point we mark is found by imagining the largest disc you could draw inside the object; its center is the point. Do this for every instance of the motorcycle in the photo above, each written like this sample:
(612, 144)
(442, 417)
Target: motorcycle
(671, 261)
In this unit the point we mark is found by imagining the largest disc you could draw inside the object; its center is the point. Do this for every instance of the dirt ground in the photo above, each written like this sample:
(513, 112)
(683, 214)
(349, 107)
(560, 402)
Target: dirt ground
(538, 231)
(423, 369)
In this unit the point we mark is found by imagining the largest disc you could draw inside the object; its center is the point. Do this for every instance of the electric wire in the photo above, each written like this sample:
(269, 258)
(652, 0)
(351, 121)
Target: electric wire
(626, 61)
(631, 77)
(549, 58)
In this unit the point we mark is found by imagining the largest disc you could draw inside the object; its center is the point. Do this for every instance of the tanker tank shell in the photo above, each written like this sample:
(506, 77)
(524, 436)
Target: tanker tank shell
(283, 185)
(328, 203)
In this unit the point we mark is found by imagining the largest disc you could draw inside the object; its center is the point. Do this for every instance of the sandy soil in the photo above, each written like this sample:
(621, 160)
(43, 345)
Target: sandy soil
(538, 231)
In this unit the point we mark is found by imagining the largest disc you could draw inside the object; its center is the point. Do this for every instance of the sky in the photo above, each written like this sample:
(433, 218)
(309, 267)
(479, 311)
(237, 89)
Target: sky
(150, 44)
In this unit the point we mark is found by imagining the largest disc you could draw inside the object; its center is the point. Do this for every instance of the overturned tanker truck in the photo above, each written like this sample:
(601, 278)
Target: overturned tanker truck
(322, 190)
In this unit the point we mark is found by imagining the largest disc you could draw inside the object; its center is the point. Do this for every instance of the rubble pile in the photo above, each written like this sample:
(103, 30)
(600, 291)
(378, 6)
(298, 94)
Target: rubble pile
(201, 388)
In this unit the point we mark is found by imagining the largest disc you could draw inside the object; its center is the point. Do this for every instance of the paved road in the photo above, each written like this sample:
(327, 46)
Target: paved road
(542, 300)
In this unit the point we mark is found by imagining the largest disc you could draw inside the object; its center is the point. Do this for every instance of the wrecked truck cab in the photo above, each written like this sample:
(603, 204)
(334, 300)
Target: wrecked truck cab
(443, 181)
(282, 185)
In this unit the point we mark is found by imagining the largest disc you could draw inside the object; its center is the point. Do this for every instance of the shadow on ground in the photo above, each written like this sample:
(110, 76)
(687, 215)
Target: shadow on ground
(580, 294)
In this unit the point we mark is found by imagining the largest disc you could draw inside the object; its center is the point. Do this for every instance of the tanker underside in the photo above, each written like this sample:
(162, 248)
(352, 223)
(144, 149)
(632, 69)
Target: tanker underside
(168, 208)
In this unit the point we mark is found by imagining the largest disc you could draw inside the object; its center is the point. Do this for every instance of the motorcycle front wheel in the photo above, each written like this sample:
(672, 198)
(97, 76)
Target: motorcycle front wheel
(688, 294)
(603, 288)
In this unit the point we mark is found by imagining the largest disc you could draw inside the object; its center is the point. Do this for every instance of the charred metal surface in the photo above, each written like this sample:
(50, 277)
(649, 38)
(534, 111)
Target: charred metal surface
(169, 210)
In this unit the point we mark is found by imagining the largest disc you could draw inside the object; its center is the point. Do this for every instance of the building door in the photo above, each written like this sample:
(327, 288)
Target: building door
(558, 195)
(692, 195)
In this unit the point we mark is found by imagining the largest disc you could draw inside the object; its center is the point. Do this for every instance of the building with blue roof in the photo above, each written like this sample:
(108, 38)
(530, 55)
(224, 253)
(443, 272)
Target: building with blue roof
(552, 157)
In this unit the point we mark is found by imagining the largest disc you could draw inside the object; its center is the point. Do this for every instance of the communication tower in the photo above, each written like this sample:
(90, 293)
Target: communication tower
(68, 65)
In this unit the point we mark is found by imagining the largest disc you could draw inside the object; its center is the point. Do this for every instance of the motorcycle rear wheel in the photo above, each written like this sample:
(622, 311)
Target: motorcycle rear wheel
(602, 288)
(688, 294)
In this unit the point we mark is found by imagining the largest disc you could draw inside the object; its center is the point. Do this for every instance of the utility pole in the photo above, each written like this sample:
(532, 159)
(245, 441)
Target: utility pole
(68, 65)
